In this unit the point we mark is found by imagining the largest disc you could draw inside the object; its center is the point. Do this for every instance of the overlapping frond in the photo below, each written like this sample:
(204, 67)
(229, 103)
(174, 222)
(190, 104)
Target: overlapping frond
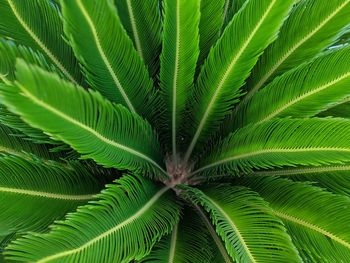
(33, 194)
(178, 64)
(229, 64)
(249, 228)
(109, 59)
(130, 217)
(141, 20)
(94, 127)
(317, 221)
(187, 243)
(313, 26)
(303, 92)
(38, 25)
(342, 110)
(280, 142)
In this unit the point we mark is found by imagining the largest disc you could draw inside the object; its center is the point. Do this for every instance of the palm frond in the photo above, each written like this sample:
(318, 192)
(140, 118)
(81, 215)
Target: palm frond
(33, 194)
(313, 26)
(231, 8)
(229, 64)
(317, 221)
(131, 215)
(141, 20)
(278, 143)
(188, 243)
(303, 92)
(110, 62)
(178, 63)
(250, 230)
(40, 30)
(94, 127)
(341, 110)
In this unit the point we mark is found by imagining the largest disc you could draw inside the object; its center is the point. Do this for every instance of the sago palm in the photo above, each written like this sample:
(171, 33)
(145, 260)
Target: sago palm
(175, 131)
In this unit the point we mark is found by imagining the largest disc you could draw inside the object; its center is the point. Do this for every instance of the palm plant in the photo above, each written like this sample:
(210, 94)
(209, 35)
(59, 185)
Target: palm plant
(174, 131)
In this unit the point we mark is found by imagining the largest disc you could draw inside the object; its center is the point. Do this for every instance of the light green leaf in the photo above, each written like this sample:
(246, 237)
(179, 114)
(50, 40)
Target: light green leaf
(250, 230)
(111, 64)
(317, 221)
(94, 127)
(131, 215)
(280, 142)
(40, 30)
(178, 63)
(141, 20)
(229, 64)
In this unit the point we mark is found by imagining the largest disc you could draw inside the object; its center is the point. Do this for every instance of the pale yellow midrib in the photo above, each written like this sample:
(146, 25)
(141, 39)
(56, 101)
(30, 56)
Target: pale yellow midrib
(134, 29)
(265, 151)
(234, 227)
(312, 227)
(46, 194)
(129, 220)
(212, 232)
(173, 244)
(304, 96)
(104, 57)
(291, 51)
(223, 80)
(40, 43)
(88, 129)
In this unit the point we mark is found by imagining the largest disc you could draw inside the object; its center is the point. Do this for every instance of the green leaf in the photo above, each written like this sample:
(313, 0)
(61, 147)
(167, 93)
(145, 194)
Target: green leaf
(317, 221)
(280, 142)
(250, 230)
(178, 64)
(141, 20)
(131, 215)
(33, 194)
(302, 92)
(313, 26)
(111, 64)
(94, 127)
(342, 110)
(229, 64)
(188, 243)
(40, 30)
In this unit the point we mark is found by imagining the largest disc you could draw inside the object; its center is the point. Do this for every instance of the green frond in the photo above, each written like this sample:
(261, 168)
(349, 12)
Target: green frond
(110, 62)
(178, 64)
(40, 30)
(212, 16)
(91, 125)
(131, 215)
(278, 143)
(342, 110)
(230, 9)
(249, 228)
(229, 64)
(313, 26)
(303, 92)
(33, 195)
(141, 20)
(187, 243)
(317, 221)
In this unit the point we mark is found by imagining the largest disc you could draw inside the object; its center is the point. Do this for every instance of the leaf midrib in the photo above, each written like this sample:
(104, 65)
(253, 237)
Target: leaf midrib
(37, 40)
(134, 29)
(223, 80)
(127, 221)
(173, 242)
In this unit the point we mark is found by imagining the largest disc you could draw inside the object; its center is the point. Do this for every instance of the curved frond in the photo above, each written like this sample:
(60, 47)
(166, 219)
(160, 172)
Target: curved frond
(342, 110)
(303, 92)
(229, 64)
(178, 64)
(94, 127)
(313, 26)
(33, 194)
(141, 20)
(250, 230)
(40, 30)
(131, 215)
(110, 62)
(280, 142)
(187, 243)
(317, 221)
